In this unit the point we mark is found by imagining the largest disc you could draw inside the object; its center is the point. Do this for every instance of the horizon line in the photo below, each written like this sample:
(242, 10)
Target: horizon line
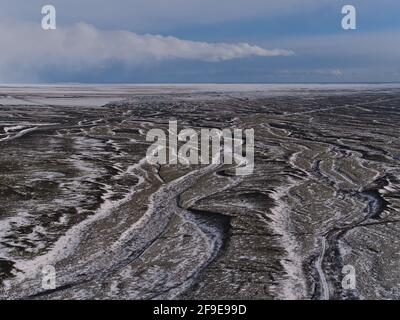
(190, 83)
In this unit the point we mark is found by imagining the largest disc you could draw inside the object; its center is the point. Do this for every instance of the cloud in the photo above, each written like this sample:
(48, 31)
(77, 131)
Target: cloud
(82, 45)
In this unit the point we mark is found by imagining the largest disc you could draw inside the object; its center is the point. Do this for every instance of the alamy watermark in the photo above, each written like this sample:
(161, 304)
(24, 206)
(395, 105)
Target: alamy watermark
(49, 19)
(49, 277)
(349, 21)
(349, 280)
(209, 146)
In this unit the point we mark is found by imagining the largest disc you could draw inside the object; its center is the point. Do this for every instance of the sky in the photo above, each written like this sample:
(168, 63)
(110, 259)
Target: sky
(196, 41)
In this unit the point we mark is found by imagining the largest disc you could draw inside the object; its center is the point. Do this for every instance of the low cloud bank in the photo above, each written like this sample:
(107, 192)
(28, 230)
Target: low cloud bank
(26, 48)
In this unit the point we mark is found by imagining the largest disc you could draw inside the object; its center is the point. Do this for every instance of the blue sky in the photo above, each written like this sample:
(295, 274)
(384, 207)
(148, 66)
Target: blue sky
(153, 41)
